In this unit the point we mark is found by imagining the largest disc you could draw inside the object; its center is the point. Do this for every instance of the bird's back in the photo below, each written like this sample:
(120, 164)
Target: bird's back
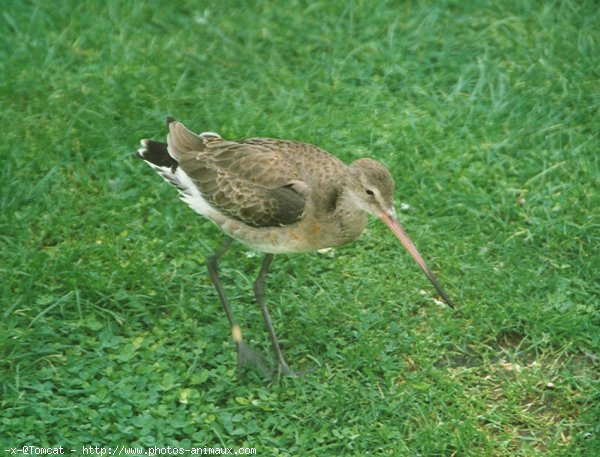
(272, 177)
(320, 171)
(274, 195)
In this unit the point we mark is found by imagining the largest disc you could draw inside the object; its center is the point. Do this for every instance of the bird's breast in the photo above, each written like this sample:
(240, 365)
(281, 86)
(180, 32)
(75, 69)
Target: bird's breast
(304, 236)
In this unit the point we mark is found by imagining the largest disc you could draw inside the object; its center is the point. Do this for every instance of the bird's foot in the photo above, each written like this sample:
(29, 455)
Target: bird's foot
(249, 357)
(283, 369)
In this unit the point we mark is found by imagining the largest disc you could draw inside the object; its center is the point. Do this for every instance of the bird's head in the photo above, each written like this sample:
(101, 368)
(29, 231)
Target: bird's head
(370, 187)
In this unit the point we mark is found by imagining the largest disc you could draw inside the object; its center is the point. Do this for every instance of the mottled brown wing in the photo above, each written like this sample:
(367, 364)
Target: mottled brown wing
(248, 182)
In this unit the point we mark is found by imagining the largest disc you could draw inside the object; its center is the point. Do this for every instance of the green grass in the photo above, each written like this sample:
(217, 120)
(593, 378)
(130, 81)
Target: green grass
(485, 112)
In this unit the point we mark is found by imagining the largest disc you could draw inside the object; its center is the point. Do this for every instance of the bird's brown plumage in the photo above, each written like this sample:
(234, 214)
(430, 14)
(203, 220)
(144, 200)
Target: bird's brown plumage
(275, 196)
(261, 182)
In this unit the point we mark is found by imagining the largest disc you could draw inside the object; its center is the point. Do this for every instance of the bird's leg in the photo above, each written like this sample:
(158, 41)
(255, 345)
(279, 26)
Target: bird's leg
(259, 288)
(245, 354)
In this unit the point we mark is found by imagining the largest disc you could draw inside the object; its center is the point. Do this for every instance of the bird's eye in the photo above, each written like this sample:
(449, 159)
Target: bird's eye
(369, 192)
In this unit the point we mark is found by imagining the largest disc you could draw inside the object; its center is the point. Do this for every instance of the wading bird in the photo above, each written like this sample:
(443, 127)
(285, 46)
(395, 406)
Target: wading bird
(275, 196)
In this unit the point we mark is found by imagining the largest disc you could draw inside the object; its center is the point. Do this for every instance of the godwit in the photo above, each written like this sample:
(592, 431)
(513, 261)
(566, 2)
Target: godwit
(275, 196)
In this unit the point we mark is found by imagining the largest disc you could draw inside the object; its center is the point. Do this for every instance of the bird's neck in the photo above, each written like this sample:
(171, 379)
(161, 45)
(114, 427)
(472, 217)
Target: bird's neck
(351, 218)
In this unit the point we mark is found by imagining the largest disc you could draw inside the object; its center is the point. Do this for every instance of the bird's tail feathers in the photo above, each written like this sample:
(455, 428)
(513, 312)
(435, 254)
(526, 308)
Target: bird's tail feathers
(183, 144)
(156, 153)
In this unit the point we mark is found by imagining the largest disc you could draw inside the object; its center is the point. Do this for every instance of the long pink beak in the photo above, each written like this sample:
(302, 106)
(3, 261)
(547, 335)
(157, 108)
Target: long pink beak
(392, 222)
